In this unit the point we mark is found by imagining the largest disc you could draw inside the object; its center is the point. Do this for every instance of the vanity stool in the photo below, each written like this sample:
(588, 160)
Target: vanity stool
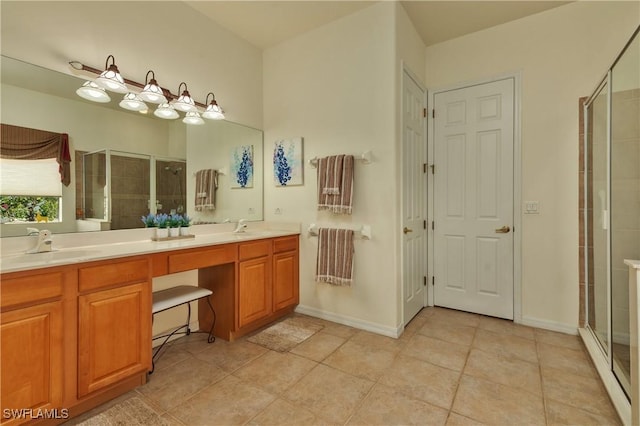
(174, 297)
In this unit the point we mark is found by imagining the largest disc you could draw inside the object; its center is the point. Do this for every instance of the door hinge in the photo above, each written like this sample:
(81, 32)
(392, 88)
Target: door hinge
(424, 282)
(424, 168)
(433, 280)
(433, 113)
(424, 112)
(433, 225)
(424, 224)
(433, 169)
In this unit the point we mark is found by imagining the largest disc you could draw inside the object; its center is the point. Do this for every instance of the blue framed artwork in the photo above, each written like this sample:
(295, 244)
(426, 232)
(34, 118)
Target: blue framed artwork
(287, 162)
(242, 166)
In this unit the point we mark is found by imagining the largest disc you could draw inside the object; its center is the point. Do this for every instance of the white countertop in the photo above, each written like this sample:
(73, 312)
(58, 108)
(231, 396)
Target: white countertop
(77, 253)
(635, 264)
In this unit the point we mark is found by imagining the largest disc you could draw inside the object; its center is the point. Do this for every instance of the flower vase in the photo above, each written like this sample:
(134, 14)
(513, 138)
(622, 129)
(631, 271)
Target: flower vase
(174, 232)
(184, 231)
(162, 233)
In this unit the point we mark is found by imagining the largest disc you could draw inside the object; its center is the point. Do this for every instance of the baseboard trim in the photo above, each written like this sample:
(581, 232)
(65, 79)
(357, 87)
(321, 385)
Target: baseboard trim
(550, 325)
(617, 395)
(351, 322)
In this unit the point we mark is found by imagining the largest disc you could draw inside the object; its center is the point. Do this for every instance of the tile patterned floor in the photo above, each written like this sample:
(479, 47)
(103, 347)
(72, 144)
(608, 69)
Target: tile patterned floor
(448, 368)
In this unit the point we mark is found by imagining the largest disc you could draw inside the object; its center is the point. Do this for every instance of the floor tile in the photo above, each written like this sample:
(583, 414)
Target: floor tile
(559, 339)
(231, 355)
(413, 327)
(180, 382)
(339, 330)
(284, 413)
(361, 361)
(319, 346)
(582, 392)
(275, 371)
(458, 420)
(508, 371)
(384, 406)
(444, 354)
(376, 341)
(170, 356)
(228, 402)
(422, 380)
(498, 325)
(505, 345)
(448, 332)
(452, 316)
(569, 360)
(329, 393)
(562, 414)
(496, 404)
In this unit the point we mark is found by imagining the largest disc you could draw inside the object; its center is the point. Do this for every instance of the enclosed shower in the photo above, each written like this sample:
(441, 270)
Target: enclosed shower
(611, 231)
(120, 187)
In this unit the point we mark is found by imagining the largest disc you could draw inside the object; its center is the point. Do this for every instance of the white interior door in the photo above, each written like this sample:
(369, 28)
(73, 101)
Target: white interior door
(473, 198)
(414, 245)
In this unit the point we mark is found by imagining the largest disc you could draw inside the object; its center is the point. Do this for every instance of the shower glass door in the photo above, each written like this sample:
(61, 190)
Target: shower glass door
(597, 171)
(171, 182)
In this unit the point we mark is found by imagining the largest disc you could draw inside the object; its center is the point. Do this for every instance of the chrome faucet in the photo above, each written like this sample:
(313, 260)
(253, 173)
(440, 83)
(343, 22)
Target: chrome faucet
(241, 226)
(44, 240)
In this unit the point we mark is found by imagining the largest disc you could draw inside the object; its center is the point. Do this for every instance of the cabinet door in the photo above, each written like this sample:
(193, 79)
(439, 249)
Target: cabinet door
(285, 280)
(31, 359)
(254, 290)
(114, 336)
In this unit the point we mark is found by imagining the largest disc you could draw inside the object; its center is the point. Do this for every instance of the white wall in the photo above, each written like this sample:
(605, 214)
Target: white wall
(169, 37)
(334, 86)
(561, 55)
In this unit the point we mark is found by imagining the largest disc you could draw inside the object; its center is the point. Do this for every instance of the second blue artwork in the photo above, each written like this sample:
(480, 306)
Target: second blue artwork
(242, 166)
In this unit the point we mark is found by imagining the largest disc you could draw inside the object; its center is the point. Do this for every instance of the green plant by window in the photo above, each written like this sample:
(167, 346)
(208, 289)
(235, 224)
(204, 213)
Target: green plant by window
(27, 208)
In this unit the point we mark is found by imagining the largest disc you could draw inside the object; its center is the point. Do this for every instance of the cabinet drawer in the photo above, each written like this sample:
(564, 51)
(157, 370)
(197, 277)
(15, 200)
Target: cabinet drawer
(32, 288)
(113, 273)
(285, 244)
(202, 258)
(254, 249)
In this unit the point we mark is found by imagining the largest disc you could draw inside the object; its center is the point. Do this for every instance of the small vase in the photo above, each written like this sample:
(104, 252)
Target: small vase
(162, 233)
(174, 232)
(184, 231)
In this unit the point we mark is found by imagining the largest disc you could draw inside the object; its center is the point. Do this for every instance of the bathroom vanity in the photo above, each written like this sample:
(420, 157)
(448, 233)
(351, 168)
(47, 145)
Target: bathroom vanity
(76, 327)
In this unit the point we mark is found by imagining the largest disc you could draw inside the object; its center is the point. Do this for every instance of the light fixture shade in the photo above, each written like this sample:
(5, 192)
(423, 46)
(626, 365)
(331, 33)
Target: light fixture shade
(184, 102)
(132, 102)
(166, 111)
(110, 78)
(93, 92)
(152, 92)
(213, 111)
(192, 117)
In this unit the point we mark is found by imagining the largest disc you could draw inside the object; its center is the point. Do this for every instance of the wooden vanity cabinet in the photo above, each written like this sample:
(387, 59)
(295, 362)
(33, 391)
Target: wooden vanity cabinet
(285, 273)
(254, 282)
(31, 330)
(114, 323)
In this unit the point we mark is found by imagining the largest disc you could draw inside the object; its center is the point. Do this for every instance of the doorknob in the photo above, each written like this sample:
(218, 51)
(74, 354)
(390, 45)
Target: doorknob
(407, 230)
(504, 230)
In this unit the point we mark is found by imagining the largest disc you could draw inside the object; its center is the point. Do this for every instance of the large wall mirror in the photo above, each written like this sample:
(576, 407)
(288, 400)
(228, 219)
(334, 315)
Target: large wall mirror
(127, 164)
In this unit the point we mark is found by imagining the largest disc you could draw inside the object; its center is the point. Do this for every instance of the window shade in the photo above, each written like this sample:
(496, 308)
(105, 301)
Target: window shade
(30, 177)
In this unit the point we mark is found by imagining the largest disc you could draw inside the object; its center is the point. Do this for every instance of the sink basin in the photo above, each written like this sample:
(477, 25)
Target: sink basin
(48, 257)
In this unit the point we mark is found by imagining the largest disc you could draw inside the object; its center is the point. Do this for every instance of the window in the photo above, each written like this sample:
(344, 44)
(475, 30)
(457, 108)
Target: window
(30, 190)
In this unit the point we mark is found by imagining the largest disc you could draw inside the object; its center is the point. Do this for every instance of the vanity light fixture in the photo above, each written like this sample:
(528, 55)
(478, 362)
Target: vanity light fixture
(132, 102)
(93, 92)
(166, 111)
(192, 117)
(213, 111)
(151, 91)
(184, 102)
(110, 78)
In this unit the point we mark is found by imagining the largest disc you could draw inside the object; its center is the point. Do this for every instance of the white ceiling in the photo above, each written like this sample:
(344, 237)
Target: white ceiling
(265, 23)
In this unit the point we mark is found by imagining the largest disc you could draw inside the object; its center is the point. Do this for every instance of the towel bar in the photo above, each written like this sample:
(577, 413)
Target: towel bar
(365, 157)
(364, 232)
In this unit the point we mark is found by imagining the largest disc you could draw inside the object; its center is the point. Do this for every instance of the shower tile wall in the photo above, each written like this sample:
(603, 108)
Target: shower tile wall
(171, 179)
(129, 191)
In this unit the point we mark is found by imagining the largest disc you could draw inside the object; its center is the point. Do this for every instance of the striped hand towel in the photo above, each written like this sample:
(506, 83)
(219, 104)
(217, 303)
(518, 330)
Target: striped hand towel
(334, 264)
(335, 183)
(206, 185)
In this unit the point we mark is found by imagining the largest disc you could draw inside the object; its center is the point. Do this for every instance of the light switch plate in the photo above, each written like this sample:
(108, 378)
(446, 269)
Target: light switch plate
(531, 207)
